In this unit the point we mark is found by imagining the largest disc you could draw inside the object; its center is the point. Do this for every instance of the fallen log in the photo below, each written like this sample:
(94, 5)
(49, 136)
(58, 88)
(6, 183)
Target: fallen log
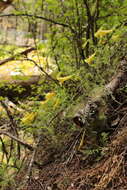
(83, 116)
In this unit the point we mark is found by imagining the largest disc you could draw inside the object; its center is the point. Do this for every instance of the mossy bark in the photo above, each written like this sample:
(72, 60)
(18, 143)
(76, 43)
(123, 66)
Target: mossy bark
(84, 116)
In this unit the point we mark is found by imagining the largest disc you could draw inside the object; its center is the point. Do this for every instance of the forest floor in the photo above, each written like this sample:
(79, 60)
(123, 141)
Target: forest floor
(76, 170)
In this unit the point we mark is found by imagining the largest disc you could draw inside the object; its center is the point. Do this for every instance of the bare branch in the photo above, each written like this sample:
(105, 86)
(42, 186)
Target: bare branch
(38, 17)
(2, 132)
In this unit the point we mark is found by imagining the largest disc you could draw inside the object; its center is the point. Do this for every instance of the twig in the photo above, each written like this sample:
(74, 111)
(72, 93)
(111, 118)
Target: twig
(32, 162)
(12, 121)
(31, 165)
(2, 132)
(43, 71)
(4, 148)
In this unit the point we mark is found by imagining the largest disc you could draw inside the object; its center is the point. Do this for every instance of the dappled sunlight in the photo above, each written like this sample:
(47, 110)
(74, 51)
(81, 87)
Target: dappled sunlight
(29, 66)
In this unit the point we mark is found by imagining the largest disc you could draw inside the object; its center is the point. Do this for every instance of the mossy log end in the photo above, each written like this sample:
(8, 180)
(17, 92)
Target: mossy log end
(83, 116)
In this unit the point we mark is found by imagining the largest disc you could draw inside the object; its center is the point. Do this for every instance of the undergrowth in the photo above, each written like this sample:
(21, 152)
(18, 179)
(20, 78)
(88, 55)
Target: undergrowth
(74, 64)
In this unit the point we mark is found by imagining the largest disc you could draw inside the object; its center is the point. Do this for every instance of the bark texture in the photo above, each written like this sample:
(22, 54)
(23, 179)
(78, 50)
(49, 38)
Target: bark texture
(83, 116)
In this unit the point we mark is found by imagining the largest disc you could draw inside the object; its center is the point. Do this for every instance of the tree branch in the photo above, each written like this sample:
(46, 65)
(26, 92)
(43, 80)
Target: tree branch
(38, 17)
(17, 139)
(89, 19)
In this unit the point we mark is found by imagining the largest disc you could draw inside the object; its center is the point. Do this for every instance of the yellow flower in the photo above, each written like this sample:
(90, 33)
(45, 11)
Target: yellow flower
(48, 97)
(101, 33)
(90, 59)
(28, 118)
(63, 79)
